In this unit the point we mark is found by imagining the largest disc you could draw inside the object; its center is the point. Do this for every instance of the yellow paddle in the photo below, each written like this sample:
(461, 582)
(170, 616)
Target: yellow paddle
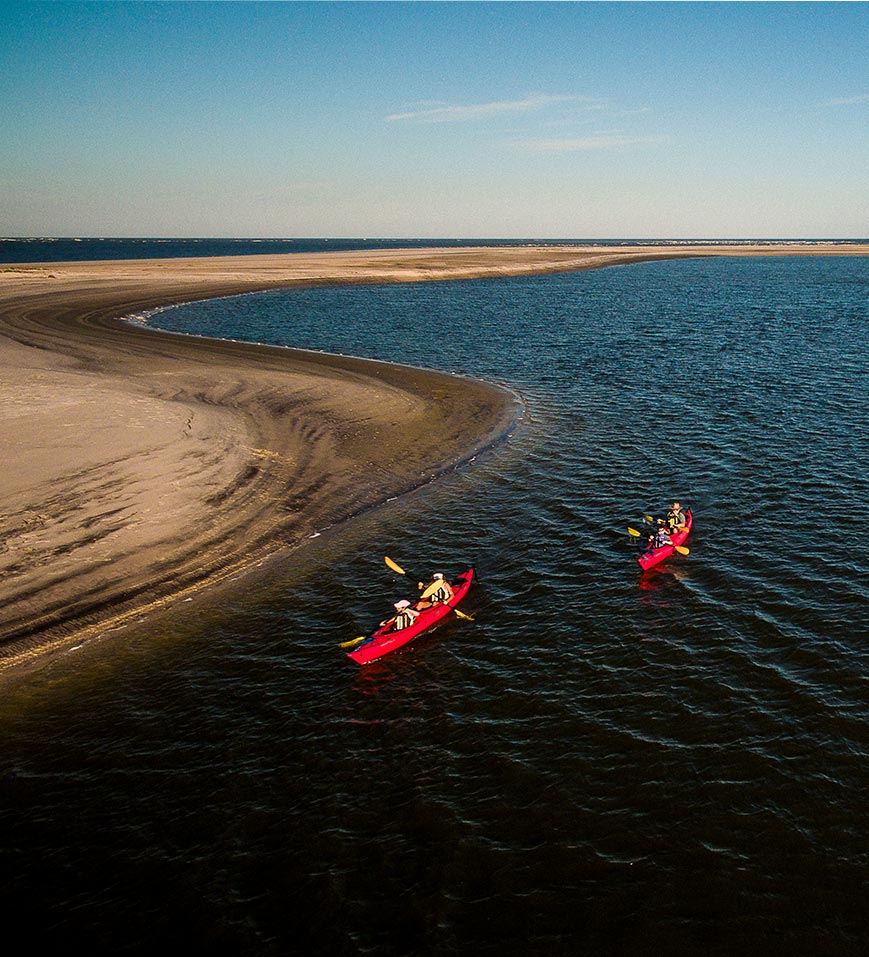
(394, 566)
(681, 549)
(353, 641)
(397, 568)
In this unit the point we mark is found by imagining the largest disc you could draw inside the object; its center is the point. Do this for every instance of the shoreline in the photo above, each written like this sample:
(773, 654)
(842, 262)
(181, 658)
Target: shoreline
(144, 466)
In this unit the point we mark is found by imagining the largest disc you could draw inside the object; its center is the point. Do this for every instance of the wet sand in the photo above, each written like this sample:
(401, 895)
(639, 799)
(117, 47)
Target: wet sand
(140, 467)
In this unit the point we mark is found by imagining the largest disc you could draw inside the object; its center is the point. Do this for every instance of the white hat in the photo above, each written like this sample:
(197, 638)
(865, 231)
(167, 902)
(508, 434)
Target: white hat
(401, 605)
(438, 575)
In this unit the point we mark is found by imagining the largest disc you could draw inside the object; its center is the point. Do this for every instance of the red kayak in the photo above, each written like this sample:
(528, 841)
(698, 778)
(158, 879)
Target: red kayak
(653, 556)
(387, 639)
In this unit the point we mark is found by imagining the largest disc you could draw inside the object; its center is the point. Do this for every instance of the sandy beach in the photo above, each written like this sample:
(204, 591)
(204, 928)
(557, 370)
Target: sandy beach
(140, 467)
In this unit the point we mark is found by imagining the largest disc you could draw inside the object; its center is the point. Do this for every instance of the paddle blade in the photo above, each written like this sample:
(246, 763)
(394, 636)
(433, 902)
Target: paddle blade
(649, 519)
(395, 567)
(354, 641)
(461, 614)
(682, 550)
(634, 532)
(432, 588)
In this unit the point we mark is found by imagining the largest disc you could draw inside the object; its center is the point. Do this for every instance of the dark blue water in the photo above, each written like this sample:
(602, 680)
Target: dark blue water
(42, 249)
(71, 249)
(602, 761)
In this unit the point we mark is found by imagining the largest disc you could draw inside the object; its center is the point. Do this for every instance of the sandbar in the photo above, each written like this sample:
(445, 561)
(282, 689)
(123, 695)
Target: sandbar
(140, 467)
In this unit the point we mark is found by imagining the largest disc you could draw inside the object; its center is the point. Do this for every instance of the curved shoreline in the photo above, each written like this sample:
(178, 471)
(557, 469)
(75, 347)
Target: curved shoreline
(146, 466)
(264, 447)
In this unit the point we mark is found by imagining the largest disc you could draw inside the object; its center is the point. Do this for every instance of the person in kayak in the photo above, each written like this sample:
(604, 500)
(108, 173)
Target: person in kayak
(405, 618)
(660, 536)
(437, 590)
(675, 518)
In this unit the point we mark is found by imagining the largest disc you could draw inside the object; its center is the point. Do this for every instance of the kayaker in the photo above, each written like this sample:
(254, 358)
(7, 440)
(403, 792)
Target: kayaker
(405, 618)
(660, 536)
(676, 518)
(437, 590)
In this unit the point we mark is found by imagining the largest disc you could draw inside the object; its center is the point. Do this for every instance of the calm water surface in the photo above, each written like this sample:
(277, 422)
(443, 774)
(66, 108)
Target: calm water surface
(602, 761)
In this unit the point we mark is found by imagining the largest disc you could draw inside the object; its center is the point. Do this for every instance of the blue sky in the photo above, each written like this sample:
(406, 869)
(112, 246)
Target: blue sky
(406, 119)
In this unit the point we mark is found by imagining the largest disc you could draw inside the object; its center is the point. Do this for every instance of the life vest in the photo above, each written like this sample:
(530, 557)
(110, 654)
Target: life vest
(404, 619)
(675, 519)
(660, 538)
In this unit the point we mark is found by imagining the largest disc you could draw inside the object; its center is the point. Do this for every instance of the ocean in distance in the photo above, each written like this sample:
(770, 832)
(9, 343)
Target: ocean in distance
(90, 249)
(602, 761)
